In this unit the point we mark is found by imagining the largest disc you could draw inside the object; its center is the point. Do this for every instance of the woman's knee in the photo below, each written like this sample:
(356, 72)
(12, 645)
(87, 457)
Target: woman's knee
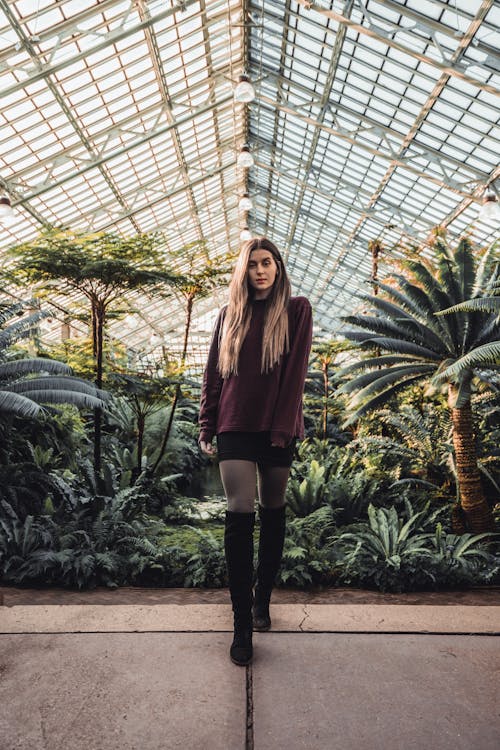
(239, 505)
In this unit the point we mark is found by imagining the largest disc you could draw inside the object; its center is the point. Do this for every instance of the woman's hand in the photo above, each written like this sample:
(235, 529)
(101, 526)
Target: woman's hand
(207, 448)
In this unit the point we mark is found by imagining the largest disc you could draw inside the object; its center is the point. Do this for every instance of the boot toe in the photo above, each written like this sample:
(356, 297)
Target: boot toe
(261, 617)
(241, 651)
(261, 623)
(241, 655)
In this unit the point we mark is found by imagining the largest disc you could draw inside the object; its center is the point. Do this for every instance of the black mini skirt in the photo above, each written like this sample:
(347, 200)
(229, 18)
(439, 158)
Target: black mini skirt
(254, 446)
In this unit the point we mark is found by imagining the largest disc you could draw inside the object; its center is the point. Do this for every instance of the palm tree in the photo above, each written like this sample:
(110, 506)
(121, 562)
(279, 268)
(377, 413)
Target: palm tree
(456, 350)
(21, 393)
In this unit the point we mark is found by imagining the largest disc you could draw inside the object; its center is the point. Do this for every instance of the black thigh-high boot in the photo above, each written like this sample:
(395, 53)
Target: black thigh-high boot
(238, 546)
(272, 536)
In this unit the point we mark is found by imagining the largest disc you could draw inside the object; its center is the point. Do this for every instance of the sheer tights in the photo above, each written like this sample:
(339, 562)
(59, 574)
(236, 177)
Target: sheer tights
(240, 477)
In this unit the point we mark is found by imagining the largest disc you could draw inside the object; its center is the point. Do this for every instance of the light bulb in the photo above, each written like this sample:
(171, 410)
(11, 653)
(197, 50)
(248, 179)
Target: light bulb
(245, 234)
(245, 158)
(245, 203)
(244, 92)
(7, 215)
(490, 210)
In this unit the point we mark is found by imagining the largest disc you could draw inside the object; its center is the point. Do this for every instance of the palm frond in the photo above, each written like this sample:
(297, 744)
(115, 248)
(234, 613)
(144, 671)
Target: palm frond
(484, 275)
(464, 261)
(36, 364)
(363, 364)
(76, 398)
(387, 327)
(67, 383)
(375, 382)
(396, 345)
(427, 307)
(393, 373)
(380, 399)
(15, 404)
(483, 304)
(488, 354)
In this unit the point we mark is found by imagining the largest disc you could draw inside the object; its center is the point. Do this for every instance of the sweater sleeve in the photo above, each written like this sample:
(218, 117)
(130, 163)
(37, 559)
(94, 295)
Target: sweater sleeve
(211, 386)
(293, 376)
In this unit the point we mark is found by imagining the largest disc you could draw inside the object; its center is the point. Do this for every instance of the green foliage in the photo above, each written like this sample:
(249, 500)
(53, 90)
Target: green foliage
(100, 265)
(207, 566)
(308, 495)
(79, 355)
(394, 553)
(87, 538)
(306, 559)
(326, 474)
(461, 560)
(419, 344)
(26, 384)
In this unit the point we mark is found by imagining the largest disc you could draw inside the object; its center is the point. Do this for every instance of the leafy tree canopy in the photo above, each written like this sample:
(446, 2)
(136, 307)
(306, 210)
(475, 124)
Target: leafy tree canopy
(100, 265)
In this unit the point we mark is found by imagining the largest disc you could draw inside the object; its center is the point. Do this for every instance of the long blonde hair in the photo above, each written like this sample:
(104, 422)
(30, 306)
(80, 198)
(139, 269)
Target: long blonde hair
(275, 341)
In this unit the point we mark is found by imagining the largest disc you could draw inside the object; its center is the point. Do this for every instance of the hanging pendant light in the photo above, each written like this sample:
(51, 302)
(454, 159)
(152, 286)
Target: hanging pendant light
(245, 234)
(245, 158)
(245, 203)
(6, 213)
(244, 92)
(490, 210)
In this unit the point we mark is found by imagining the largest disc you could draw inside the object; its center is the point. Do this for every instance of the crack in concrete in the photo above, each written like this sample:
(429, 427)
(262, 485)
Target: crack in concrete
(249, 709)
(306, 615)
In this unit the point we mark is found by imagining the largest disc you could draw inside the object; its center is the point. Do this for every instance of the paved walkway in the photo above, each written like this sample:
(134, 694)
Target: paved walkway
(145, 669)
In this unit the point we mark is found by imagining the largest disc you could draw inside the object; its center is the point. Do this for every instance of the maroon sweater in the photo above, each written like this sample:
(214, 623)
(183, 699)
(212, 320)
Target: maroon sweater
(252, 401)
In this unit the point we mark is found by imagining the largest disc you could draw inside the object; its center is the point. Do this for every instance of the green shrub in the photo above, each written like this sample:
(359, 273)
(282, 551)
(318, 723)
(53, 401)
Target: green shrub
(306, 559)
(393, 553)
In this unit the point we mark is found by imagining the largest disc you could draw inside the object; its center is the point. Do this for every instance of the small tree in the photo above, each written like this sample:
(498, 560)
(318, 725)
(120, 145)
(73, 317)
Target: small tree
(201, 277)
(321, 375)
(102, 267)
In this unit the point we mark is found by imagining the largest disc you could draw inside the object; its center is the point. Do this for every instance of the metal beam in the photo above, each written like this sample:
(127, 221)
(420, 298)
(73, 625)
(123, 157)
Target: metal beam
(124, 149)
(113, 37)
(450, 70)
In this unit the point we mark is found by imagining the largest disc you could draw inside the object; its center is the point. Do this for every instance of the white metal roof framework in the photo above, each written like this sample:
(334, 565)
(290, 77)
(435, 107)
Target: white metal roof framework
(372, 120)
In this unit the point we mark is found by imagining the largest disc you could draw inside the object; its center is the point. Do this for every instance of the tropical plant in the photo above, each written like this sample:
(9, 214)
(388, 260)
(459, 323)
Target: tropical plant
(456, 350)
(307, 495)
(319, 393)
(306, 559)
(144, 395)
(483, 304)
(207, 566)
(383, 551)
(27, 384)
(102, 267)
(198, 276)
(422, 437)
(85, 537)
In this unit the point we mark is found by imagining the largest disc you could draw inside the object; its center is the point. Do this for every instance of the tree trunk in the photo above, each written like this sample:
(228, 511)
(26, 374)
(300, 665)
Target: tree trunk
(325, 404)
(477, 511)
(98, 312)
(141, 422)
(189, 311)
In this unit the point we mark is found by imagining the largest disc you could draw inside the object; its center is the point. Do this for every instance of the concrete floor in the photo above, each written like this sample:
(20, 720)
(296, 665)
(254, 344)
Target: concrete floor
(158, 677)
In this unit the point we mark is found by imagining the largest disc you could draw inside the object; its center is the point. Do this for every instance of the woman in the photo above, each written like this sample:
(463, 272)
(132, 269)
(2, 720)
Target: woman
(252, 401)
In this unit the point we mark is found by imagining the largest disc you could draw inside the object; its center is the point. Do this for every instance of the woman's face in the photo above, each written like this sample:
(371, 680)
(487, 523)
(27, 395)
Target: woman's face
(262, 270)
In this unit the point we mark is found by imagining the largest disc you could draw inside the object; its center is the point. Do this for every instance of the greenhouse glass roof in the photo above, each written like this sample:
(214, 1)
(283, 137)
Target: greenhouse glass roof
(371, 121)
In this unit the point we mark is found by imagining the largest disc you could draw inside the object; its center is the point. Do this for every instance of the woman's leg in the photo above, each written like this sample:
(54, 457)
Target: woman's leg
(272, 513)
(239, 479)
(272, 483)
